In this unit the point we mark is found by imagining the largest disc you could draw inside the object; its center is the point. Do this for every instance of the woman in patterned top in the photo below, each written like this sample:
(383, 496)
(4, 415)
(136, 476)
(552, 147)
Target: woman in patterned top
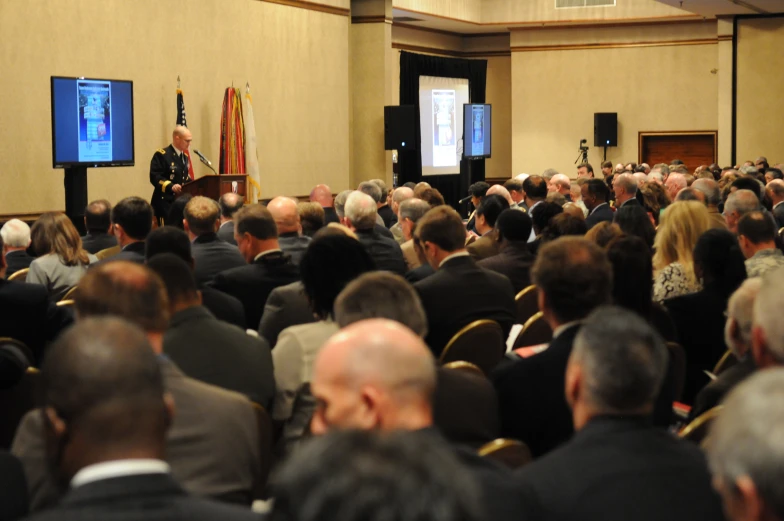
(673, 263)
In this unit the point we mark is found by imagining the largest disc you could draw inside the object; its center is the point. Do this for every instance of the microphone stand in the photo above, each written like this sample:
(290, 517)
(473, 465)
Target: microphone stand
(208, 165)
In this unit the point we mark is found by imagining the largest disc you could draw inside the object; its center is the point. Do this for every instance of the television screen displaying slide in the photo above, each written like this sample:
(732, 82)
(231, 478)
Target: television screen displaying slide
(441, 123)
(92, 122)
(477, 130)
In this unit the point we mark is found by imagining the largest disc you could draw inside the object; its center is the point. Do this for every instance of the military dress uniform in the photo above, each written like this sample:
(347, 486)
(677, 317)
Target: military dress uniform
(166, 170)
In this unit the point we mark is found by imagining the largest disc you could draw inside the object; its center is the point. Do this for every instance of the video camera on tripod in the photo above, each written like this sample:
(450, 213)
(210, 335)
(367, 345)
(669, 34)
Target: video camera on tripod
(583, 156)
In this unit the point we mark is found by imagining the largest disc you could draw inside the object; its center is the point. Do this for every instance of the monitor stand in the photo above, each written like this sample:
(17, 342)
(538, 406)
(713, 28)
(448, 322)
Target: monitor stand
(76, 196)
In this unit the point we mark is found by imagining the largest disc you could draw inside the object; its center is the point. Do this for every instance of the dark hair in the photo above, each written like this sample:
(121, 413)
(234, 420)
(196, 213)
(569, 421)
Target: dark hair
(775, 172)
(168, 239)
(574, 275)
(491, 207)
(371, 476)
(410, 185)
(98, 216)
(226, 208)
(541, 215)
(632, 274)
(748, 183)
(256, 220)
(443, 227)
(634, 220)
(514, 184)
(718, 256)
(329, 263)
(598, 189)
(479, 189)
(513, 225)
(588, 167)
(757, 227)
(176, 275)
(134, 214)
(432, 197)
(177, 211)
(535, 187)
(607, 164)
(563, 224)
(676, 162)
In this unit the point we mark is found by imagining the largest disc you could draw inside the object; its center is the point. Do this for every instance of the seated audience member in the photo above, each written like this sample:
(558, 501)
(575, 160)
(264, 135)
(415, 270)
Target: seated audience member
(640, 177)
(710, 190)
(485, 217)
(340, 204)
(690, 194)
(514, 258)
(330, 262)
(757, 238)
(359, 476)
(373, 190)
(210, 254)
(556, 198)
(515, 188)
(737, 335)
(548, 175)
(562, 225)
(384, 210)
(773, 173)
(229, 204)
(747, 182)
(177, 211)
(594, 195)
(673, 263)
(108, 413)
(28, 314)
(625, 189)
(409, 213)
(541, 215)
(322, 195)
(290, 238)
(465, 407)
(535, 189)
(577, 199)
(573, 277)
(563, 185)
(400, 194)
(618, 466)
(16, 240)
(286, 306)
(634, 220)
(132, 222)
(477, 191)
(311, 217)
(213, 443)
(585, 170)
(422, 186)
(775, 191)
(655, 201)
(61, 260)
(98, 222)
(699, 317)
(432, 197)
(501, 191)
(170, 239)
(267, 266)
(459, 292)
(206, 348)
(360, 218)
(378, 375)
(13, 488)
(424, 270)
(604, 233)
(674, 184)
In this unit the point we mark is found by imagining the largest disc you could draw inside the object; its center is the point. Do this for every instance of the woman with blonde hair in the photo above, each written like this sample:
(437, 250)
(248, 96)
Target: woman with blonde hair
(61, 261)
(681, 226)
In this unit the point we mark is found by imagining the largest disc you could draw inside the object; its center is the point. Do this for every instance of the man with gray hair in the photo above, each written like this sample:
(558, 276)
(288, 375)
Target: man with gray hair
(739, 203)
(16, 239)
(710, 189)
(374, 191)
(625, 189)
(656, 177)
(411, 210)
(775, 191)
(613, 378)
(745, 449)
(767, 333)
(548, 176)
(386, 213)
(562, 184)
(398, 196)
(340, 204)
(361, 213)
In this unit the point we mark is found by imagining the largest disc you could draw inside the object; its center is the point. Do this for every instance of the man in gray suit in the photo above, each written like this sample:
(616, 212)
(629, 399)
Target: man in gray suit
(211, 254)
(286, 306)
(212, 445)
(229, 204)
(290, 238)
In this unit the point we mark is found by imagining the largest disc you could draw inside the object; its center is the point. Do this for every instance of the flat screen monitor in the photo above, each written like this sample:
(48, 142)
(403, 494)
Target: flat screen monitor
(477, 135)
(92, 122)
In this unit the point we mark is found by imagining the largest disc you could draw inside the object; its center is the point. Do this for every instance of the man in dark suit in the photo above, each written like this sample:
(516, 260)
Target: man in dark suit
(107, 413)
(98, 222)
(267, 266)
(618, 466)
(775, 191)
(13, 489)
(573, 276)
(28, 314)
(514, 259)
(229, 203)
(459, 292)
(16, 238)
(595, 193)
(286, 306)
(290, 238)
(322, 195)
(213, 442)
(477, 191)
(210, 254)
(360, 216)
(625, 189)
(169, 171)
(131, 222)
(486, 215)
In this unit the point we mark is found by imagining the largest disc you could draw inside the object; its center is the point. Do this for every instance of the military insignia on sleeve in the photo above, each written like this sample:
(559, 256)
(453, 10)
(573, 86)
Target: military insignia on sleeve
(161, 151)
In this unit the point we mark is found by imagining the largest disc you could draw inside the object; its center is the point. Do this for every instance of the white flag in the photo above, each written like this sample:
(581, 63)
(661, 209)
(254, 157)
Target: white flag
(251, 152)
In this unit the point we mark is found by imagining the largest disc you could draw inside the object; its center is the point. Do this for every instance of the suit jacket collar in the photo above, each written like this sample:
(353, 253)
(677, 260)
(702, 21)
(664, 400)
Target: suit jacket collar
(275, 258)
(16, 253)
(599, 206)
(137, 247)
(190, 314)
(457, 262)
(109, 491)
(516, 249)
(601, 426)
(206, 238)
(289, 235)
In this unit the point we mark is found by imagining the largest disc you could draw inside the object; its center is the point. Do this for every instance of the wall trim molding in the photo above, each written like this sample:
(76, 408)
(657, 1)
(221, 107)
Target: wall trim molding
(312, 6)
(725, 37)
(447, 33)
(613, 45)
(448, 52)
(27, 217)
(380, 19)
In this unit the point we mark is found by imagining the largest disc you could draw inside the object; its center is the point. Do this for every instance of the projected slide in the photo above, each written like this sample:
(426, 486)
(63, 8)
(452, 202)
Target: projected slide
(441, 122)
(93, 99)
(478, 135)
(444, 142)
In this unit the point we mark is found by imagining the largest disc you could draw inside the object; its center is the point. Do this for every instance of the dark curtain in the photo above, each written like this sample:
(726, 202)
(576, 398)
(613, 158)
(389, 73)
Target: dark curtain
(412, 66)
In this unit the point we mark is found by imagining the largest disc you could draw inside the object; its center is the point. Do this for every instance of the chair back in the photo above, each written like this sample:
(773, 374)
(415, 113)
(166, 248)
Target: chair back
(17, 400)
(481, 343)
(697, 431)
(465, 367)
(65, 304)
(678, 363)
(265, 449)
(725, 362)
(20, 275)
(527, 304)
(70, 294)
(108, 252)
(512, 454)
(535, 331)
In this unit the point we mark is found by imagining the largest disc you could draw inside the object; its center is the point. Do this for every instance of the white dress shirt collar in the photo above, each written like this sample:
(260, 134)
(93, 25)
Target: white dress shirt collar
(262, 254)
(177, 150)
(462, 253)
(119, 468)
(597, 207)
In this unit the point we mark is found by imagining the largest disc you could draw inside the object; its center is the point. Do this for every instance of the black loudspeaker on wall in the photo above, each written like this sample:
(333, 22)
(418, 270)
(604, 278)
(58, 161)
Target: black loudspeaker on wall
(605, 129)
(400, 127)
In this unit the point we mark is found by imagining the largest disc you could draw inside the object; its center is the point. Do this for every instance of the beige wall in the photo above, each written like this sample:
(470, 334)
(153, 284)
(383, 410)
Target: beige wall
(557, 88)
(760, 105)
(522, 11)
(300, 87)
(467, 10)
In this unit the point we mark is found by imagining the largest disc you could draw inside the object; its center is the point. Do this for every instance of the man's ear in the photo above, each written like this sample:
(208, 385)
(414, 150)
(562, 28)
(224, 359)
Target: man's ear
(541, 299)
(169, 409)
(747, 503)
(759, 350)
(573, 383)
(369, 417)
(118, 230)
(217, 225)
(54, 423)
(185, 226)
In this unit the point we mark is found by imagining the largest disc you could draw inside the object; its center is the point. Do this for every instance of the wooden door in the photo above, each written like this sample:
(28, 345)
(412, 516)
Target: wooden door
(693, 148)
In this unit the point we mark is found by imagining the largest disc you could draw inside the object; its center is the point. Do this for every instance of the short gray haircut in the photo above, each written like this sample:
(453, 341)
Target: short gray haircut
(655, 176)
(340, 203)
(15, 234)
(747, 438)
(767, 312)
(664, 168)
(549, 173)
(627, 182)
(381, 186)
(401, 194)
(749, 170)
(413, 209)
(742, 201)
(740, 308)
(710, 188)
(372, 189)
(623, 360)
(688, 194)
(361, 211)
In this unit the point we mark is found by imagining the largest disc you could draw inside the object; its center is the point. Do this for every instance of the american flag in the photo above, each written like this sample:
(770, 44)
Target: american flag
(182, 121)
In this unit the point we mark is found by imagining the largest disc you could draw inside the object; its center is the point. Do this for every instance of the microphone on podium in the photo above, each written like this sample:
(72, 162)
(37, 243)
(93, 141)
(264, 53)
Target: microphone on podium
(204, 160)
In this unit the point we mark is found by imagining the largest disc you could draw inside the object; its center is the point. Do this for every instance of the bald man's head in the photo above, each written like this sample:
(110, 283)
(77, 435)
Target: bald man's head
(181, 138)
(284, 211)
(322, 195)
(503, 192)
(374, 374)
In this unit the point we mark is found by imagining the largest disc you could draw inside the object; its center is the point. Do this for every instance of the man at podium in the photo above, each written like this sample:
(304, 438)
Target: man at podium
(169, 171)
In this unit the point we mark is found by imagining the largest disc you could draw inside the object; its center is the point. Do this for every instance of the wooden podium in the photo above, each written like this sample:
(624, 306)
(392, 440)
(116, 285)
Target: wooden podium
(214, 186)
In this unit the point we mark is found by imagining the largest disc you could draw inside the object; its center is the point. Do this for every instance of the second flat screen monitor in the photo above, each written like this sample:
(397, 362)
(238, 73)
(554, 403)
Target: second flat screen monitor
(477, 120)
